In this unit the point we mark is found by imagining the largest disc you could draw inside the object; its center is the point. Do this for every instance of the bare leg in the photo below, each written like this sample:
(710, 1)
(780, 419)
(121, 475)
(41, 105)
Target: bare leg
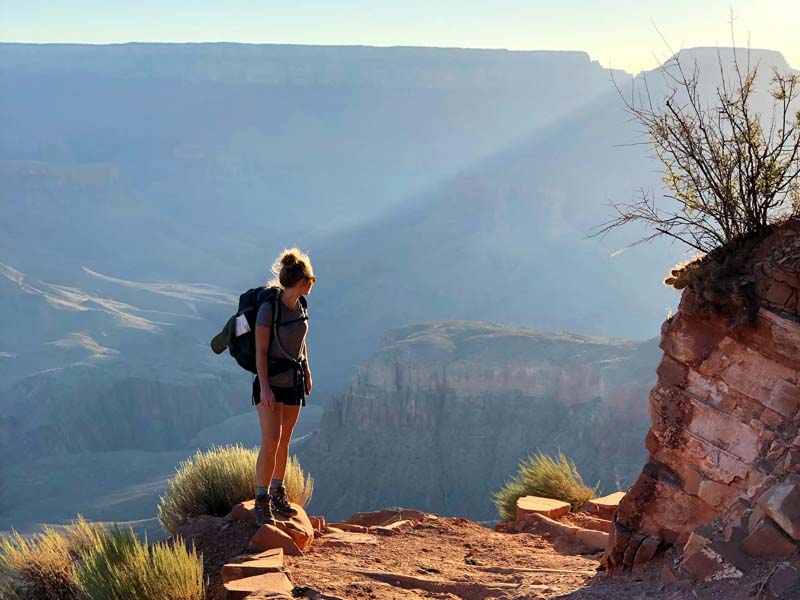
(270, 421)
(289, 420)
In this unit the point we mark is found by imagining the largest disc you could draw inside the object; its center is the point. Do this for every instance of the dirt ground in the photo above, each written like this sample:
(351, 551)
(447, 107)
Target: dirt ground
(456, 559)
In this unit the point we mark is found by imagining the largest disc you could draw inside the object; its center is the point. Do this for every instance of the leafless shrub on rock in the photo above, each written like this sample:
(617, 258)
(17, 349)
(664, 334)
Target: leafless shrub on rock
(729, 171)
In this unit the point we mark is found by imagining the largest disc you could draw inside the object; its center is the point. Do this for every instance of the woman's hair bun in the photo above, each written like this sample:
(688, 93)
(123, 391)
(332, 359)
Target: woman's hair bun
(290, 259)
(291, 266)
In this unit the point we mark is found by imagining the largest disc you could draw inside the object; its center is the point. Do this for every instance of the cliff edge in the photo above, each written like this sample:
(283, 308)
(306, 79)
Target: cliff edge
(721, 482)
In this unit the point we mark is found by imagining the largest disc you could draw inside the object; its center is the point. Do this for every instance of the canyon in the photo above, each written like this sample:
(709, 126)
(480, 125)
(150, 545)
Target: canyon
(440, 417)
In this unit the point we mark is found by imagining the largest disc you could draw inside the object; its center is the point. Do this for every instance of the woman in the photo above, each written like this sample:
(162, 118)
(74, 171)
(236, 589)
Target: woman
(283, 380)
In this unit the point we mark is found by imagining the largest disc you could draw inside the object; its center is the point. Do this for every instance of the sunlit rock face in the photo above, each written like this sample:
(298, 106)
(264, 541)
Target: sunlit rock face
(439, 418)
(723, 447)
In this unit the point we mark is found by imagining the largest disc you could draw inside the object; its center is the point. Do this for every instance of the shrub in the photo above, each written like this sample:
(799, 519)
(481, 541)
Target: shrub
(729, 171)
(43, 565)
(542, 475)
(299, 486)
(214, 481)
(121, 567)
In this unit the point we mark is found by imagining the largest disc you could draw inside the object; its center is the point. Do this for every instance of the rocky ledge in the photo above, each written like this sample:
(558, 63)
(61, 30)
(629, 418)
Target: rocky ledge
(721, 484)
(393, 554)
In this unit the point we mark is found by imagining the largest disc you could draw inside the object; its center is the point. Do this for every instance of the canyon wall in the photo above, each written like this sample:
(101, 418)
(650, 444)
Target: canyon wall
(721, 481)
(439, 418)
(94, 410)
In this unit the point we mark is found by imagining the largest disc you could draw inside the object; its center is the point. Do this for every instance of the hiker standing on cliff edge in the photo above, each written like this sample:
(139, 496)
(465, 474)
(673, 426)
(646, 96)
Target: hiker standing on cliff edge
(278, 391)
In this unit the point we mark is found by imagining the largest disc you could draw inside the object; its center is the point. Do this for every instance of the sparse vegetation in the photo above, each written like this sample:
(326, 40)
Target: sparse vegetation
(214, 481)
(722, 281)
(43, 565)
(729, 171)
(299, 486)
(542, 475)
(121, 567)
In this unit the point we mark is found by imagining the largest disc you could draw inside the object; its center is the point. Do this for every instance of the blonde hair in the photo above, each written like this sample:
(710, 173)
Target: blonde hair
(290, 267)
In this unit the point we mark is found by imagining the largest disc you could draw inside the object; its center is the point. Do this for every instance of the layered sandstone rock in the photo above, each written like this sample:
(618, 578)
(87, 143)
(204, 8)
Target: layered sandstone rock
(721, 479)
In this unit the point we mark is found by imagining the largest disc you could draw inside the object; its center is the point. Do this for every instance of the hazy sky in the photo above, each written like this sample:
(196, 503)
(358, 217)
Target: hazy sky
(618, 33)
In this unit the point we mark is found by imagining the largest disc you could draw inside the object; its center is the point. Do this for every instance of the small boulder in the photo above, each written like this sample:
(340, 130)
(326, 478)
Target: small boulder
(391, 528)
(299, 526)
(243, 512)
(552, 509)
(275, 583)
(767, 540)
(270, 561)
(574, 540)
(782, 503)
(269, 536)
(385, 516)
(318, 523)
(704, 563)
(646, 551)
(593, 540)
(604, 507)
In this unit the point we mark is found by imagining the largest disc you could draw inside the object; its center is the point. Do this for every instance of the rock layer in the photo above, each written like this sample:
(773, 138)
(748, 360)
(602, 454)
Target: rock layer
(442, 415)
(720, 480)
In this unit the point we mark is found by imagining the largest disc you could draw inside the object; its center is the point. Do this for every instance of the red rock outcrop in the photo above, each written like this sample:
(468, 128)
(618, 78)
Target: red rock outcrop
(722, 478)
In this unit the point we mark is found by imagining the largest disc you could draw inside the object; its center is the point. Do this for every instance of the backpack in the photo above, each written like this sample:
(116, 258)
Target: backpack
(242, 347)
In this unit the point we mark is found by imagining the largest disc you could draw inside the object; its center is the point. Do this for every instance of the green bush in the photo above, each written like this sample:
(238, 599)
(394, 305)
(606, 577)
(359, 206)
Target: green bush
(121, 567)
(544, 476)
(43, 565)
(214, 481)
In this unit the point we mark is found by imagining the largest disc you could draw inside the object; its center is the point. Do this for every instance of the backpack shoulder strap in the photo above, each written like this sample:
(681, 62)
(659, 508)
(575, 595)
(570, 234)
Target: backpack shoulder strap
(276, 310)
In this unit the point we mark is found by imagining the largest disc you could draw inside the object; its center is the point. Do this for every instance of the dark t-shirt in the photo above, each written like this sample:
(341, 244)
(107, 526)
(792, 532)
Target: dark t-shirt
(292, 338)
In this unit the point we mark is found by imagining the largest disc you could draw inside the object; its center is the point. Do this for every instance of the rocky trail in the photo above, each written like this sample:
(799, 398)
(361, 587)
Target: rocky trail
(440, 558)
(407, 554)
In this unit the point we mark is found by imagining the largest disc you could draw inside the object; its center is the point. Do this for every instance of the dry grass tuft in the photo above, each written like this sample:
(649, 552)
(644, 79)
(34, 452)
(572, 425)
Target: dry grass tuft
(43, 565)
(121, 567)
(299, 486)
(544, 476)
(214, 481)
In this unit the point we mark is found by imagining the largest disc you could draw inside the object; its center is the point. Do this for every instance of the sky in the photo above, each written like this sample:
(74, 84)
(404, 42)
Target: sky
(623, 34)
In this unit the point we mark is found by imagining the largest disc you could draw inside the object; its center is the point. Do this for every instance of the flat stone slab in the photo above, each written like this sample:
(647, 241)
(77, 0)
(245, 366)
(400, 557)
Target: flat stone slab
(348, 527)
(346, 538)
(391, 528)
(552, 509)
(604, 507)
(250, 568)
(385, 516)
(276, 553)
(268, 582)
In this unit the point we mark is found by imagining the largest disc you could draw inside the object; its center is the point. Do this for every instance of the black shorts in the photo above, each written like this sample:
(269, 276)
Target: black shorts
(285, 395)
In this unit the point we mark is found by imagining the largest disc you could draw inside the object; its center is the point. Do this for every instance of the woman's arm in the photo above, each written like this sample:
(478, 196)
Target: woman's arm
(262, 349)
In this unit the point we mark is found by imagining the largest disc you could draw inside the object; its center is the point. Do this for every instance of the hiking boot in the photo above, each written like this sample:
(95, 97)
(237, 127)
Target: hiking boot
(280, 502)
(263, 511)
